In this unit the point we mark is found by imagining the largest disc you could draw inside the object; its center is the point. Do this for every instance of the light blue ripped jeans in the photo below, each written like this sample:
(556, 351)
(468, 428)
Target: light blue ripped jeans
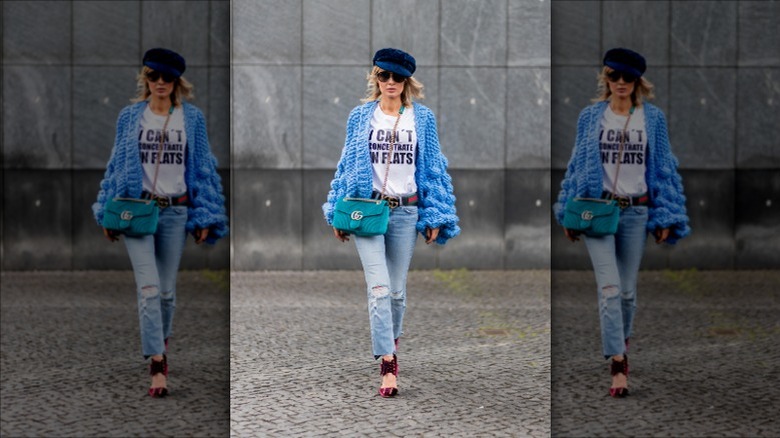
(616, 261)
(155, 260)
(386, 262)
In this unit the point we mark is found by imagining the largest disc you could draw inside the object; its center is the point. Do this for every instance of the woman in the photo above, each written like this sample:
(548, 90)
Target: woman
(621, 128)
(415, 183)
(176, 169)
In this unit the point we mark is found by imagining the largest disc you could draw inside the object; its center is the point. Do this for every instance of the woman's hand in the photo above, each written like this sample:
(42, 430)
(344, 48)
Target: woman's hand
(201, 234)
(112, 235)
(341, 235)
(572, 235)
(661, 234)
(431, 235)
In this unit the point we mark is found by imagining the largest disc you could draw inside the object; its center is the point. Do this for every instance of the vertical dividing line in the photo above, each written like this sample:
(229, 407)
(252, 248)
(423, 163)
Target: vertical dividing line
(2, 144)
(670, 85)
(436, 258)
(736, 144)
(73, 216)
(231, 156)
(505, 167)
(303, 145)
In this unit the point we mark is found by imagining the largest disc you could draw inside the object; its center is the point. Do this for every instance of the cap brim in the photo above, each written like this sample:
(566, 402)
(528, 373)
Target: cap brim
(623, 68)
(162, 68)
(395, 68)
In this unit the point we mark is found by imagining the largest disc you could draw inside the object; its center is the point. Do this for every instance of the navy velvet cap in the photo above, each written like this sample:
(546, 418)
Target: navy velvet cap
(396, 61)
(626, 61)
(165, 61)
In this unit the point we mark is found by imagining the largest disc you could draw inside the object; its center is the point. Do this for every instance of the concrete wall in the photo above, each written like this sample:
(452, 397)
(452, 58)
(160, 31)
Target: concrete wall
(68, 68)
(716, 67)
(299, 67)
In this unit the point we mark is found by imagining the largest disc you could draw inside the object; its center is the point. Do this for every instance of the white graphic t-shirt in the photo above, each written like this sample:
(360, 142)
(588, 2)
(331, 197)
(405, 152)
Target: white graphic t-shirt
(631, 180)
(401, 181)
(170, 179)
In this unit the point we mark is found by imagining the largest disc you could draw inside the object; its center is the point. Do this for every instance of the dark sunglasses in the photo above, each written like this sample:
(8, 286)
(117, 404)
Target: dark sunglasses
(156, 75)
(615, 75)
(385, 75)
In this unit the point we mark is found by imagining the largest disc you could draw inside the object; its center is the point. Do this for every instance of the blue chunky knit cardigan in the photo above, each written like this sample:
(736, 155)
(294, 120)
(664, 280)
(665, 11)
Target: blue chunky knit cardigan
(436, 205)
(584, 175)
(124, 174)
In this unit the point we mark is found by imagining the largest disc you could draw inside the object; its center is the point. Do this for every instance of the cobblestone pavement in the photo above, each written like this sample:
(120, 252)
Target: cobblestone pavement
(71, 360)
(474, 360)
(704, 357)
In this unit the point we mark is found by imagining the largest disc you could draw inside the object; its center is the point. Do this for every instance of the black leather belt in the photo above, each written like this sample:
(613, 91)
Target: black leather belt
(395, 201)
(627, 201)
(166, 201)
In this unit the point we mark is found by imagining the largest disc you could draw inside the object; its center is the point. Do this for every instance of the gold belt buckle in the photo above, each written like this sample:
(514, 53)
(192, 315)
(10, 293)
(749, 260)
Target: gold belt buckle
(392, 202)
(163, 202)
(623, 203)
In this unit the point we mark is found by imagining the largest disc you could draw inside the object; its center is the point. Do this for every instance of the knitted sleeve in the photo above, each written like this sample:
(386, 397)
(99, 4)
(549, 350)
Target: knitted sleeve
(109, 186)
(207, 209)
(436, 207)
(666, 189)
(338, 186)
(569, 186)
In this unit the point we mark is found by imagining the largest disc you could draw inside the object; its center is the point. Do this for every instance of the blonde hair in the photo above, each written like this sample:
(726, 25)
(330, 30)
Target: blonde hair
(182, 88)
(643, 89)
(412, 89)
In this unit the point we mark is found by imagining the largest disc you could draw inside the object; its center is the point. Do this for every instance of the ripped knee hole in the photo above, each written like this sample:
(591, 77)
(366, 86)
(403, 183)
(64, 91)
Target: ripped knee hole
(380, 291)
(610, 291)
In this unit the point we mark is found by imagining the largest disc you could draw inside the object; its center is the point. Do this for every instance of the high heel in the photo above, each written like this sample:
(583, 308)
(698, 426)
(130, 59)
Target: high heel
(392, 368)
(619, 367)
(158, 367)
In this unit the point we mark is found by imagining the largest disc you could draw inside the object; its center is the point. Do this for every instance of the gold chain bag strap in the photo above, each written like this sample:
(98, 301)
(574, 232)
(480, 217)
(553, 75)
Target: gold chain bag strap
(593, 216)
(133, 216)
(367, 217)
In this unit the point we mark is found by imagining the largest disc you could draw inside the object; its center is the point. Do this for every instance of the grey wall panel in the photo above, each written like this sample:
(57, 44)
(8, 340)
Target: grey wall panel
(99, 94)
(759, 26)
(23, 38)
(267, 219)
(702, 120)
(181, 26)
(410, 25)
(429, 76)
(758, 129)
(36, 117)
(473, 33)
(528, 116)
(573, 89)
(321, 249)
(326, 107)
(267, 32)
(710, 195)
(266, 117)
(473, 125)
(480, 205)
(659, 77)
(37, 220)
(758, 219)
(528, 33)
(646, 32)
(527, 200)
(106, 33)
(218, 120)
(711, 41)
(219, 33)
(336, 32)
(574, 41)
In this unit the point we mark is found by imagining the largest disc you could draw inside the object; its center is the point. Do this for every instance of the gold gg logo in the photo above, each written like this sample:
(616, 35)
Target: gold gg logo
(126, 215)
(587, 215)
(356, 215)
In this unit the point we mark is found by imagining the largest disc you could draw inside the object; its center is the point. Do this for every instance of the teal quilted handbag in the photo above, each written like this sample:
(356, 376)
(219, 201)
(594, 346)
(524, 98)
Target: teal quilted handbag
(593, 217)
(362, 217)
(130, 216)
